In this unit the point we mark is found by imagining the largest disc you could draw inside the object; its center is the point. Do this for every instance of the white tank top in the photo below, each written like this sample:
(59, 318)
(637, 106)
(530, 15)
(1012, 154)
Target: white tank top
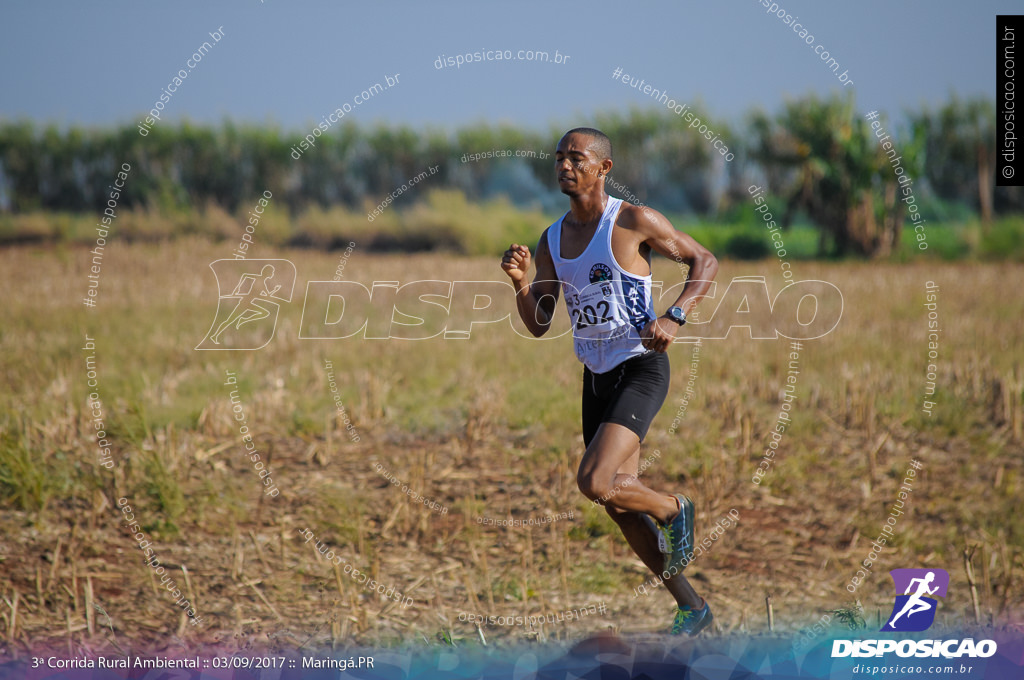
(607, 305)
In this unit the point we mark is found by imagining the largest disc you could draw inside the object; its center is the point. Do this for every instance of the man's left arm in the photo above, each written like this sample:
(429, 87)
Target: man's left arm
(657, 232)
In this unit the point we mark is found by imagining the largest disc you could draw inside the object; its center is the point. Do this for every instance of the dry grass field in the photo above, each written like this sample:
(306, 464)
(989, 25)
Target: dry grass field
(485, 427)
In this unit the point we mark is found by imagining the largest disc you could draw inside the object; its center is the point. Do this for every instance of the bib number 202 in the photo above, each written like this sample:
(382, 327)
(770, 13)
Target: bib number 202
(589, 316)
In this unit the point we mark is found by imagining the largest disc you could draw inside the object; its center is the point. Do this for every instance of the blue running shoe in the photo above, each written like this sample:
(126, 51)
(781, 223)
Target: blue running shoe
(679, 535)
(692, 621)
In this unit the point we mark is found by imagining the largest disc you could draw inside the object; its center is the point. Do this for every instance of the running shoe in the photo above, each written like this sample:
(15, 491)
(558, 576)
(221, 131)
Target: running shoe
(679, 535)
(692, 621)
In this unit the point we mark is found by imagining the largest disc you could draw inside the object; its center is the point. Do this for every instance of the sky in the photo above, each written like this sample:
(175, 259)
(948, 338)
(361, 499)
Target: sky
(293, 63)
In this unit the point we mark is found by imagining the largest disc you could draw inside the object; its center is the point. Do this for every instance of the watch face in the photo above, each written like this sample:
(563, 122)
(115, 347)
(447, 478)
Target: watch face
(677, 314)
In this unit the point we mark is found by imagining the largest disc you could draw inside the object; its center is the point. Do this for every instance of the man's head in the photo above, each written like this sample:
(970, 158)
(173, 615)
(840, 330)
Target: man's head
(583, 159)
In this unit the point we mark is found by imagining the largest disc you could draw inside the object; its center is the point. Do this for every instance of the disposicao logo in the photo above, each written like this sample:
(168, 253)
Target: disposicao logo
(914, 610)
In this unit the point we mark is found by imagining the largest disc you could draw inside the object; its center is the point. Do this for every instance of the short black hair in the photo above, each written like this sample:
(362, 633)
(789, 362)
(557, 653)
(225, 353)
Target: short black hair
(601, 144)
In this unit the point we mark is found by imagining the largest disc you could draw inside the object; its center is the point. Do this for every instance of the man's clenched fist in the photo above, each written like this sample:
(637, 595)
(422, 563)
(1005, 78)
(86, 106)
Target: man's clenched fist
(516, 262)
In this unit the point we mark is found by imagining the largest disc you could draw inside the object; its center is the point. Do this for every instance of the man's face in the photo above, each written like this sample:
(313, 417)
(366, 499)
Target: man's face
(576, 165)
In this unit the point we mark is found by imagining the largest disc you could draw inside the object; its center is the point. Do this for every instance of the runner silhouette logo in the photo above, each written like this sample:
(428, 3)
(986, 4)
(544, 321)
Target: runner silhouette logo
(915, 605)
(247, 316)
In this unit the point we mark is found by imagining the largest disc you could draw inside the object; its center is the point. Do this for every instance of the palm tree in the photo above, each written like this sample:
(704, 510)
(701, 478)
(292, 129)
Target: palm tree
(822, 159)
(959, 149)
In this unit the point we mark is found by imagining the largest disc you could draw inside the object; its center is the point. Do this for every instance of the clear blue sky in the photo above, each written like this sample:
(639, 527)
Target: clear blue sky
(294, 62)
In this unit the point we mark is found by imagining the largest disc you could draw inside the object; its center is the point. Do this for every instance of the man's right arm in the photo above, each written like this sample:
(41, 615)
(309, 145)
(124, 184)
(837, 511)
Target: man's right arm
(534, 301)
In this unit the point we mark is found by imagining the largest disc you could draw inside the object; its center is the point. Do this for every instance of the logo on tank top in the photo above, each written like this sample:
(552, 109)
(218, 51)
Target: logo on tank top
(600, 272)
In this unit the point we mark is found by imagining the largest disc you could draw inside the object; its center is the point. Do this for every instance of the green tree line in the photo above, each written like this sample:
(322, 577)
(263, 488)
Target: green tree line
(819, 161)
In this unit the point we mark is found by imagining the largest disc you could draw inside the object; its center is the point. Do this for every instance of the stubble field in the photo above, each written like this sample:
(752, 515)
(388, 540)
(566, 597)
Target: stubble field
(486, 427)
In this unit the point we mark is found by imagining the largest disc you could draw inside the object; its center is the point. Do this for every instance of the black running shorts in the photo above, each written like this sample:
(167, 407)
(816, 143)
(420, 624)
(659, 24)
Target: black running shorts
(630, 394)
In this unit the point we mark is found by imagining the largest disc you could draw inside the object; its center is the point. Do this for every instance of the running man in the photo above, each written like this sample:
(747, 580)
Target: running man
(914, 603)
(599, 255)
(250, 306)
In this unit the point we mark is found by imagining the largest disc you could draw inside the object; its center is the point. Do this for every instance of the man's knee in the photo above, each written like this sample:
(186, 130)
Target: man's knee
(591, 487)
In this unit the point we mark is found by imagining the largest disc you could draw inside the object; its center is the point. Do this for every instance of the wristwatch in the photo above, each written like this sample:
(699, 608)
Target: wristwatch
(676, 314)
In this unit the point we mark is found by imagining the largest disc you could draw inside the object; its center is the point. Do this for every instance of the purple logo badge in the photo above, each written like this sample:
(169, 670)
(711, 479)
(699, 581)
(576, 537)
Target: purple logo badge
(915, 605)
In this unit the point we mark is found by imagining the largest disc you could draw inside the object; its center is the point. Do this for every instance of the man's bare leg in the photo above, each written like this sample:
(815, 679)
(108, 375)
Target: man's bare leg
(611, 448)
(608, 474)
(645, 545)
